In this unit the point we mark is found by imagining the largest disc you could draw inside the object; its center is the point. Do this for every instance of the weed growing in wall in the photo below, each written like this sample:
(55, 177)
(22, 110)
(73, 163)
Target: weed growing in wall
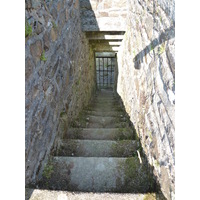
(48, 170)
(43, 58)
(54, 25)
(161, 49)
(28, 29)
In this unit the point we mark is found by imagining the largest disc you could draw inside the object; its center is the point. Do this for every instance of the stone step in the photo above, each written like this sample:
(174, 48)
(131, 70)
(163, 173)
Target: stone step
(105, 91)
(103, 98)
(104, 113)
(37, 194)
(105, 122)
(92, 174)
(105, 119)
(105, 104)
(101, 134)
(100, 125)
(98, 148)
(101, 122)
(105, 108)
(105, 95)
(106, 100)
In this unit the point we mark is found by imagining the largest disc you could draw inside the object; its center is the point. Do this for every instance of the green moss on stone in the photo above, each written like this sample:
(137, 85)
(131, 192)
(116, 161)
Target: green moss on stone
(54, 25)
(48, 170)
(119, 147)
(43, 58)
(125, 133)
(130, 168)
(62, 114)
(161, 49)
(28, 29)
(150, 196)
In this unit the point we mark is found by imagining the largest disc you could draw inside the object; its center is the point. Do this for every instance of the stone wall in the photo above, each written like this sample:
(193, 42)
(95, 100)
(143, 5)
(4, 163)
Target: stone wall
(103, 15)
(59, 77)
(146, 83)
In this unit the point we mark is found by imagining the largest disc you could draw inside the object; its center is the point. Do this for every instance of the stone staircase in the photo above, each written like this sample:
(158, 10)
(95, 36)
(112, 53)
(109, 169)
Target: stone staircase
(100, 154)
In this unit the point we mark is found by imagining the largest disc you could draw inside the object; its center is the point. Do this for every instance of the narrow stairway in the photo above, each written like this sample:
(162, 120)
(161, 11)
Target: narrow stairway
(100, 153)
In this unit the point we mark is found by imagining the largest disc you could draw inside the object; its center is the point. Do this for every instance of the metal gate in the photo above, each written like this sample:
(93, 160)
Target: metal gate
(105, 69)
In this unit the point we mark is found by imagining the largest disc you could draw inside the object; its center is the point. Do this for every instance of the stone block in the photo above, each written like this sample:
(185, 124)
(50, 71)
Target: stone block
(103, 14)
(62, 19)
(44, 112)
(36, 50)
(54, 13)
(39, 28)
(113, 14)
(76, 4)
(66, 14)
(53, 34)
(46, 40)
(87, 14)
(119, 3)
(46, 84)
(54, 69)
(28, 4)
(107, 4)
(36, 4)
(59, 6)
(29, 68)
(58, 79)
(69, 2)
(86, 4)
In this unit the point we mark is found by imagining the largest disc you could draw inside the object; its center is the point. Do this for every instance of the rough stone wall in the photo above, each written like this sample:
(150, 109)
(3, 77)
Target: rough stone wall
(103, 15)
(146, 83)
(61, 85)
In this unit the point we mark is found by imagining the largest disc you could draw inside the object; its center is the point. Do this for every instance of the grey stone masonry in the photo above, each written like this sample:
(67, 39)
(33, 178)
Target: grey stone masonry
(103, 15)
(59, 77)
(146, 83)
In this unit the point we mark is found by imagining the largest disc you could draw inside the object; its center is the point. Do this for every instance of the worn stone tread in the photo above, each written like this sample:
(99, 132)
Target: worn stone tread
(99, 154)
(104, 113)
(98, 148)
(90, 121)
(99, 174)
(105, 107)
(107, 101)
(36, 194)
(105, 119)
(105, 124)
(100, 134)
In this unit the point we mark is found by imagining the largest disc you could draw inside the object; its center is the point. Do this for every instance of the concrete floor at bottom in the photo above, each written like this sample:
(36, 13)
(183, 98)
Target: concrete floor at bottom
(36, 194)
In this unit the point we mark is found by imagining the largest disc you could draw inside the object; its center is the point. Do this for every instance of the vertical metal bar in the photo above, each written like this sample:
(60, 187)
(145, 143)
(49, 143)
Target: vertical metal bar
(103, 72)
(95, 66)
(99, 73)
(111, 73)
(107, 72)
(95, 60)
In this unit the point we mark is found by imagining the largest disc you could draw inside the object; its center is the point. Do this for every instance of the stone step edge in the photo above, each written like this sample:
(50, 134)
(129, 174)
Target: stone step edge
(92, 129)
(94, 157)
(99, 141)
(104, 111)
(41, 194)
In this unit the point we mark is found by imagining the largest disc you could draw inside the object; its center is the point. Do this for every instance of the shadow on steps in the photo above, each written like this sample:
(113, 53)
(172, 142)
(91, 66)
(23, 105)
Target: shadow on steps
(91, 165)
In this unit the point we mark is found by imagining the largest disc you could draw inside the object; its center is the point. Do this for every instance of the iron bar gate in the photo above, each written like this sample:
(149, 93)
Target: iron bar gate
(105, 68)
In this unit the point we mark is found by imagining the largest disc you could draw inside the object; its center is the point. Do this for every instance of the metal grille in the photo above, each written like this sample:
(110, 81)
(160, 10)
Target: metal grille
(105, 67)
